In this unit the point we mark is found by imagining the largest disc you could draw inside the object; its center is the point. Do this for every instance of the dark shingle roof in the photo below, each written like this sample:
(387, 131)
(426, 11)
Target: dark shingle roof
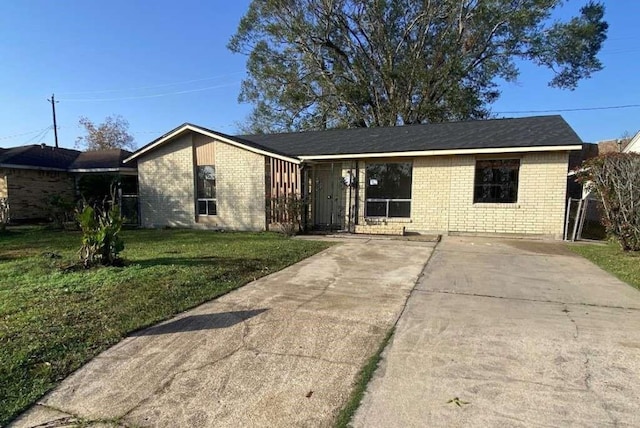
(102, 159)
(496, 133)
(39, 156)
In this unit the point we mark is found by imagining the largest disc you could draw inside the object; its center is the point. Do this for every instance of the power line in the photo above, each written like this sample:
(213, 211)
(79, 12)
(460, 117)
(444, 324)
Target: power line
(39, 136)
(9, 137)
(163, 85)
(137, 97)
(570, 109)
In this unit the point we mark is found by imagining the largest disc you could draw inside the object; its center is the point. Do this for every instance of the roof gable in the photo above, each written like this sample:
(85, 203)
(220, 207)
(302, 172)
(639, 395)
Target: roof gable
(633, 145)
(235, 141)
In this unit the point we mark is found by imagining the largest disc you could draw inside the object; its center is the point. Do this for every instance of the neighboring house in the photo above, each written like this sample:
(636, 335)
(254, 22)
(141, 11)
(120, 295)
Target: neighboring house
(31, 175)
(495, 176)
(633, 145)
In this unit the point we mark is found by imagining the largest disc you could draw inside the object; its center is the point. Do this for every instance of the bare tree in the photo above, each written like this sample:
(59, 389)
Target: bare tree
(616, 178)
(113, 133)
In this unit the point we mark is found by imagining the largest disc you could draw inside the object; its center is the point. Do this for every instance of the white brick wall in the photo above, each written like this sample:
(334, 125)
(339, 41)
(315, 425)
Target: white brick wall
(442, 197)
(240, 186)
(167, 187)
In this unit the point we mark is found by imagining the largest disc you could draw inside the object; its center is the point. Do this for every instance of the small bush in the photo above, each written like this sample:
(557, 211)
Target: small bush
(4, 213)
(101, 241)
(61, 210)
(616, 179)
(287, 212)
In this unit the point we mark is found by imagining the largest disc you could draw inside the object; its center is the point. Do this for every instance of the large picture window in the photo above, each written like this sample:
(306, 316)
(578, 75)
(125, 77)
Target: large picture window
(206, 190)
(496, 181)
(388, 189)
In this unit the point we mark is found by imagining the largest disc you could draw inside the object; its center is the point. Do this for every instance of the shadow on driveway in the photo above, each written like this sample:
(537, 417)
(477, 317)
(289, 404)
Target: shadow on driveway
(200, 322)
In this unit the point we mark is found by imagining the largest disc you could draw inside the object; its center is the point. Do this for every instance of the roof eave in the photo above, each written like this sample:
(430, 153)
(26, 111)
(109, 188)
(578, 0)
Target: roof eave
(119, 169)
(32, 167)
(445, 152)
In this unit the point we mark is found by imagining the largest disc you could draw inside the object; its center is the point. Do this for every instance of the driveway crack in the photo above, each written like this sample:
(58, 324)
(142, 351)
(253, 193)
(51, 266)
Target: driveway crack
(167, 384)
(575, 325)
(522, 299)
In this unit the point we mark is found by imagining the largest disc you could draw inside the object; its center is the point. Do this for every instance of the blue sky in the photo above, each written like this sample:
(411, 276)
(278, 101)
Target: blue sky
(162, 63)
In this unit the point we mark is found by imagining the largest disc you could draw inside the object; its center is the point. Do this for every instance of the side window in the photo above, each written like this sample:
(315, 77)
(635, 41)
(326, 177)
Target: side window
(496, 181)
(206, 189)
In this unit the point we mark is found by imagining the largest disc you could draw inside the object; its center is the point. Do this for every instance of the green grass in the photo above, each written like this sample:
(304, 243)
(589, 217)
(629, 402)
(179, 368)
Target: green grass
(611, 258)
(363, 379)
(53, 320)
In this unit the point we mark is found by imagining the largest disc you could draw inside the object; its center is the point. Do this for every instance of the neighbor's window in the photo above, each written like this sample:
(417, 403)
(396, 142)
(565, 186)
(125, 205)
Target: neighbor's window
(496, 181)
(388, 189)
(206, 188)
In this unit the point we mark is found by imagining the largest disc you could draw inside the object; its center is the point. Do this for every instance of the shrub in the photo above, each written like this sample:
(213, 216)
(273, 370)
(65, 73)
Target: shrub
(4, 213)
(616, 179)
(101, 241)
(287, 212)
(61, 210)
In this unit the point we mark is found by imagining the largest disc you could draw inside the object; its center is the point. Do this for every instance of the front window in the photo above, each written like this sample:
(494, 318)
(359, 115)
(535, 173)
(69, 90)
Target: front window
(206, 190)
(388, 189)
(496, 181)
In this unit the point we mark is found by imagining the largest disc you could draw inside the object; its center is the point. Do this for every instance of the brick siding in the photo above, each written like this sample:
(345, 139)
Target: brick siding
(442, 198)
(29, 191)
(168, 188)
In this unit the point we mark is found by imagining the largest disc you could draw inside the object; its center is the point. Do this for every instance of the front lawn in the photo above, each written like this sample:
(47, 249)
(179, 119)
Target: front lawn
(53, 319)
(611, 258)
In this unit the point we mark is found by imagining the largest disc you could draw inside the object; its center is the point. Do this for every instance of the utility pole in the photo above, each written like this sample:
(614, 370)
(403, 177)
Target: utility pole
(55, 126)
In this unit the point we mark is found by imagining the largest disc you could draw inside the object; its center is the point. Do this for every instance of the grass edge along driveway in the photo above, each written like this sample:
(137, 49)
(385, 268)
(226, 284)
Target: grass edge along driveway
(609, 257)
(54, 319)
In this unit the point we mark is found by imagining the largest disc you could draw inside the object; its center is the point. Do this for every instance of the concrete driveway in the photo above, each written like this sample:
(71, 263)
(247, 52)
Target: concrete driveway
(281, 351)
(510, 333)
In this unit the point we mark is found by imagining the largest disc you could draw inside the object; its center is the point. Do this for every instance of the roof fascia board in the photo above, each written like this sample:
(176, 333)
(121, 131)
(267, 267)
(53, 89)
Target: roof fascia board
(35, 168)
(212, 135)
(103, 170)
(445, 152)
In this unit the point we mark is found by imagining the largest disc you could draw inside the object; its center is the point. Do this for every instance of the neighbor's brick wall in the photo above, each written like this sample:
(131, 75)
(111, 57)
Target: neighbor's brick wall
(240, 188)
(442, 197)
(3, 183)
(29, 191)
(167, 186)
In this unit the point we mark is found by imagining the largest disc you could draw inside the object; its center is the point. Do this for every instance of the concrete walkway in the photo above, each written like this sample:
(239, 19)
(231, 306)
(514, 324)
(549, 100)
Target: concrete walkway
(281, 351)
(514, 334)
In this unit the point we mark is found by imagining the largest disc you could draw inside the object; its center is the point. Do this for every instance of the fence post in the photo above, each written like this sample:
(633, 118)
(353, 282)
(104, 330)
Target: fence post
(577, 220)
(583, 217)
(566, 222)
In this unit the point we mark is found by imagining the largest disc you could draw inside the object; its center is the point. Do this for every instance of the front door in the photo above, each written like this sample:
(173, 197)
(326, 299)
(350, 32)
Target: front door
(328, 197)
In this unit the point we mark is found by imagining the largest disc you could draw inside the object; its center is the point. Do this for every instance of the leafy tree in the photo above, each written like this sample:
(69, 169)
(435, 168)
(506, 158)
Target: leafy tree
(616, 179)
(317, 64)
(113, 133)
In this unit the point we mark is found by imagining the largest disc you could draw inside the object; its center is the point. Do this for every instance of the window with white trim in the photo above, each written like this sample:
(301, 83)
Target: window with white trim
(496, 181)
(206, 189)
(388, 189)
